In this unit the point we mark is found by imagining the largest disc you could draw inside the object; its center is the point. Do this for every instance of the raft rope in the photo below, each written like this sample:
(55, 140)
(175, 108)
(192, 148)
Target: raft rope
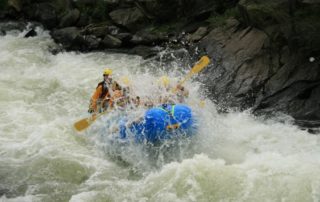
(171, 113)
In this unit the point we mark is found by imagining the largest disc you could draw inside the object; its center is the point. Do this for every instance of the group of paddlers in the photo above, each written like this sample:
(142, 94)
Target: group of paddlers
(109, 94)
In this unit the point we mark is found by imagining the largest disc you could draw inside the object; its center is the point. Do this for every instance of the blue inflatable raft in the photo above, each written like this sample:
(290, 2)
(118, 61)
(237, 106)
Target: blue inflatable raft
(160, 123)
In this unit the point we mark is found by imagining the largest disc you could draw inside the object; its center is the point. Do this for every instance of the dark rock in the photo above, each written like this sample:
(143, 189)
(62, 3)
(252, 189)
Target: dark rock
(4, 191)
(43, 12)
(70, 18)
(260, 14)
(131, 18)
(258, 69)
(163, 11)
(144, 51)
(124, 37)
(83, 20)
(86, 43)
(111, 42)
(31, 33)
(56, 49)
(16, 4)
(239, 65)
(12, 25)
(97, 29)
(194, 26)
(293, 89)
(101, 29)
(113, 30)
(145, 37)
(66, 36)
(199, 34)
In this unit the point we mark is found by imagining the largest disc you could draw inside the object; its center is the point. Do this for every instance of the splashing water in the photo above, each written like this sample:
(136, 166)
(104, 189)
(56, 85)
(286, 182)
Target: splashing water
(233, 157)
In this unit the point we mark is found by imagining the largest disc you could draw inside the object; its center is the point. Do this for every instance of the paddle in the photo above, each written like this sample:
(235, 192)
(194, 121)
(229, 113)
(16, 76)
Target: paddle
(202, 63)
(86, 122)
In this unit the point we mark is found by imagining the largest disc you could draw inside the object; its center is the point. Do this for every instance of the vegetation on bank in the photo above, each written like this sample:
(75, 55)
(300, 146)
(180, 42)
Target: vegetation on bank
(3, 4)
(219, 20)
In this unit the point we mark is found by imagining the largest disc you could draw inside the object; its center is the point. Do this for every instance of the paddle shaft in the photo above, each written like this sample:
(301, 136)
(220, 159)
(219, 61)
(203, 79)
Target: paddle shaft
(202, 63)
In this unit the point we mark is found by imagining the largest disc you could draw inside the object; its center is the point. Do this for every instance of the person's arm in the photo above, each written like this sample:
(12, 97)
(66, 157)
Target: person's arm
(183, 91)
(94, 99)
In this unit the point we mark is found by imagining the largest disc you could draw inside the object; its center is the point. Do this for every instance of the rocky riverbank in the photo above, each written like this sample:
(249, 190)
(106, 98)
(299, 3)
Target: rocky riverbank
(265, 54)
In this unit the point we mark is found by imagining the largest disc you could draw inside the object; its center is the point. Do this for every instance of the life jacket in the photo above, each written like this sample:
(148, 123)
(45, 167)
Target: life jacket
(102, 92)
(105, 89)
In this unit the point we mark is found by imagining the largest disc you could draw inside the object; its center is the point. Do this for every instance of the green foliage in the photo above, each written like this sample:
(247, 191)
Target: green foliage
(307, 25)
(220, 20)
(97, 10)
(169, 27)
(3, 4)
(100, 10)
(165, 28)
(267, 13)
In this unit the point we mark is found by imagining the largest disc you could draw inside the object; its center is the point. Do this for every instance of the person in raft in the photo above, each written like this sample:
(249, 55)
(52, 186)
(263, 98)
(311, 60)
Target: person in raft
(103, 96)
(171, 95)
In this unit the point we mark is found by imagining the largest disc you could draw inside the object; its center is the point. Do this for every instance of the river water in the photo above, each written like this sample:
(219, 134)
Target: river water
(233, 157)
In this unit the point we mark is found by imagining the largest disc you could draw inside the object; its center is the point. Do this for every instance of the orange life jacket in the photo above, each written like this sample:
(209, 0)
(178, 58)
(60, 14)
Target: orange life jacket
(101, 94)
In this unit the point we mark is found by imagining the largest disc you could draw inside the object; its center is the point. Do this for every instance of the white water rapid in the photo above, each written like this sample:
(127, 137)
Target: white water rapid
(233, 157)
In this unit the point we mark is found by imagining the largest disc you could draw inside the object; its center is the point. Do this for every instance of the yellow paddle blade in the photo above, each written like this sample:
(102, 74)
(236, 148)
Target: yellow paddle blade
(203, 62)
(84, 123)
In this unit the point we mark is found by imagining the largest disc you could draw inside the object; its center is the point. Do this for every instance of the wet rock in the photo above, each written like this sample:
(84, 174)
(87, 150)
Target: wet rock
(43, 12)
(86, 43)
(113, 30)
(199, 34)
(239, 67)
(258, 69)
(66, 36)
(4, 191)
(30, 33)
(16, 4)
(144, 51)
(83, 20)
(131, 18)
(99, 30)
(111, 42)
(124, 37)
(70, 18)
(12, 25)
(261, 13)
(54, 50)
(147, 38)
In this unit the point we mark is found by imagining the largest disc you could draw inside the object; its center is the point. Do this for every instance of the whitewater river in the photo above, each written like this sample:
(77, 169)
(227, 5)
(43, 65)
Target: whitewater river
(233, 157)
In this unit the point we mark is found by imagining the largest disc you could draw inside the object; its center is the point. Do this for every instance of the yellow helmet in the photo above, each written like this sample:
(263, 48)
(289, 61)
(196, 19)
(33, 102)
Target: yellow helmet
(107, 71)
(164, 81)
